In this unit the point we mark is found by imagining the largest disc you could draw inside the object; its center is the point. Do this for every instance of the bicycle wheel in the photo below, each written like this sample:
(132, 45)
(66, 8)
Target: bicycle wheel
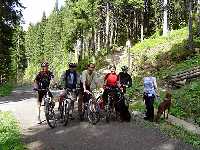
(61, 109)
(66, 113)
(108, 110)
(50, 115)
(93, 113)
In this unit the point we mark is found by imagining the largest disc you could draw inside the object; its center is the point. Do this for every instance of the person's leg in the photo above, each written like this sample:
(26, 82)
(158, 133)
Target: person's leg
(80, 105)
(51, 95)
(146, 104)
(105, 96)
(74, 97)
(61, 98)
(148, 107)
(151, 112)
(40, 96)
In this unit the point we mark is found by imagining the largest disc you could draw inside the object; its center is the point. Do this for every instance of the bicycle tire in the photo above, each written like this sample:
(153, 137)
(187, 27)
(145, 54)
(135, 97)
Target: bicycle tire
(66, 114)
(108, 110)
(93, 115)
(50, 115)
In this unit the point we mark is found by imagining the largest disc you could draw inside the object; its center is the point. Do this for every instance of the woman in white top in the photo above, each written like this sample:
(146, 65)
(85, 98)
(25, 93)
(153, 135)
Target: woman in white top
(150, 92)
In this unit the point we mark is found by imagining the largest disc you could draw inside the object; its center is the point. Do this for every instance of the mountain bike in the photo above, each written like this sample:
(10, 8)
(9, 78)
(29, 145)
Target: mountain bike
(92, 108)
(49, 108)
(67, 105)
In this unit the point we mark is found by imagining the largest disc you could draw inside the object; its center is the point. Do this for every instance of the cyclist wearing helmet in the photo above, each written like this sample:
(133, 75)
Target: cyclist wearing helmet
(90, 83)
(124, 78)
(70, 79)
(42, 81)
(110, 82)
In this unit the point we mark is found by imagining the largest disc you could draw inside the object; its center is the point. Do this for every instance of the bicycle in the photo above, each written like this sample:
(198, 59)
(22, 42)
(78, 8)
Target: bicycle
(66, 105)
(49, 108)
(92, 108)
(110, 107)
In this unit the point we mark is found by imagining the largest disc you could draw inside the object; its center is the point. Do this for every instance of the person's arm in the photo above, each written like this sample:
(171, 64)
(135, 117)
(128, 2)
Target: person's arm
(98, 85)
(53, 81)
(130, 81)
(62, 79)
(105, 80)
(36, 82)
(78, 84)
(84, 80)
(155, 85)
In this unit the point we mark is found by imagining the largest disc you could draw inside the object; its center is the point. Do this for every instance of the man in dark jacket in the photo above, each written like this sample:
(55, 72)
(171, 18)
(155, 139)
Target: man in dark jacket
(71, 81)
(42, 82)
(124, 78)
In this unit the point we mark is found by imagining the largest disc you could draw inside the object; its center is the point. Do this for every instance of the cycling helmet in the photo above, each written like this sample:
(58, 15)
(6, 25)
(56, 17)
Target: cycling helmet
(112, 66)
(45, 64)
(124, 68)
(72, 65)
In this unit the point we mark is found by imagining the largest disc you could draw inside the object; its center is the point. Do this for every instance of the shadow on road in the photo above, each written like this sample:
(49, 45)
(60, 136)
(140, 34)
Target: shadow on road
(103, 136)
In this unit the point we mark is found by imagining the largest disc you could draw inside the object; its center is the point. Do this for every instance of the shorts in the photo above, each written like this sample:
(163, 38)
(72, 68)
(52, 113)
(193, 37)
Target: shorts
(41, 94)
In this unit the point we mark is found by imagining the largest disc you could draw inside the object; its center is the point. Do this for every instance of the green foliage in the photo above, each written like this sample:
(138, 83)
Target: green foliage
(186, 102)
(181, 133)
(5, 89)
(137, 106)
(10, 137)
(9, 20)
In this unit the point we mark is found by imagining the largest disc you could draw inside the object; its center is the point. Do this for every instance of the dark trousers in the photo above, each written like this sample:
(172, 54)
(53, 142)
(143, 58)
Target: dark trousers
(107, 90)
(149, 101)
(41, 94)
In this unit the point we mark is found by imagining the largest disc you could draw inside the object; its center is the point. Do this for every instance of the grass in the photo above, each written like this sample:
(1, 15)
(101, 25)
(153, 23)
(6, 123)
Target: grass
(6, 89)
(186, 102)
(10, 138)
(176, 132)
(172, 131)
(181, 133)
(174, 37)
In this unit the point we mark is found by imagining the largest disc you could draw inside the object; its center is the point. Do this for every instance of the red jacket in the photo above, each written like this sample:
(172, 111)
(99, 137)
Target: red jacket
(111, 79)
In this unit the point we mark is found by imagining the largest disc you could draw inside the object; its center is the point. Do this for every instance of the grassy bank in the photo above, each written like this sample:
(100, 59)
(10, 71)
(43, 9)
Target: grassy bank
(10, 138)
(166, 56)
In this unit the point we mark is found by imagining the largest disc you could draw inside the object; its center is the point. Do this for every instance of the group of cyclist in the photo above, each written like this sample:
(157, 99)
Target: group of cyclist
(83, 84)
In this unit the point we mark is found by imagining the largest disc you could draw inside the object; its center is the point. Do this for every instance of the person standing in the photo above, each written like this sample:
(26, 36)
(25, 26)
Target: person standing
(150, 92)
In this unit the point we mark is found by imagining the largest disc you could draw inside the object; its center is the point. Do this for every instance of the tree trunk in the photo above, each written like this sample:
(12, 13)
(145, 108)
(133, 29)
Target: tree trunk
(92, 42)
(98, 41)
(142, 27)
(115, 35)
(198, 15)
(190, 26)
(165, 19)
(111, 32)
(80, 57)
(107, 26)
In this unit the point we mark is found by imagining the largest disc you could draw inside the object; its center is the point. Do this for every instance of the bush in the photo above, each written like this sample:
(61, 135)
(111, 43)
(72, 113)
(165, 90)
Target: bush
(6, 89)
(10, 138)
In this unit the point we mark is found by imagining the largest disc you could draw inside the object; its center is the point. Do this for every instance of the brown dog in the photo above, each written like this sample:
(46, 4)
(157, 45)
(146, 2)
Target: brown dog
(165, 105)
